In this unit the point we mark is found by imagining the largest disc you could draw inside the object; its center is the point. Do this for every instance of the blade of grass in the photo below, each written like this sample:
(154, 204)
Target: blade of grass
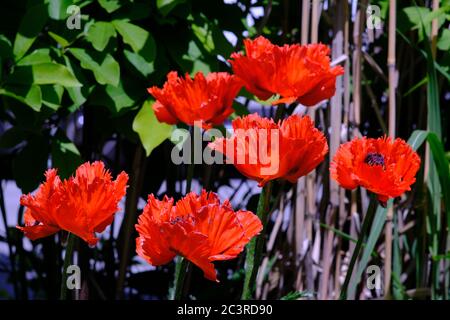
(398, 288)
(364, 230)
(375, 231)
(432, 179)
(441, 163)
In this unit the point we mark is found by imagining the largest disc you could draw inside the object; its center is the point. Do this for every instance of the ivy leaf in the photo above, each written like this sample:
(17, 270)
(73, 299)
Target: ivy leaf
(165, 6)
(99, 34)
(52, 95)
(36, 57)
(65, 156)
(5, 47)
(139, 63)
(110, 5)
(43, 73)
(106, 70)
(140, 40)
(444, 40)
(57, 9)
(151, 132)
(30, 95)
(31, 25)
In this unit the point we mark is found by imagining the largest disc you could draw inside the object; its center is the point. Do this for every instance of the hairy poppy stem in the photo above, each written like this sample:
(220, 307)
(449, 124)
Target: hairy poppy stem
(180, 275)
(255, 246)
(364, 229)
(67, 262)
(182, 264)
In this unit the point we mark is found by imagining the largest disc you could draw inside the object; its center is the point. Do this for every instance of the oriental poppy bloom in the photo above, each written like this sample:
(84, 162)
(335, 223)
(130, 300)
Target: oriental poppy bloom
(263, 150)
(207, 99)
(383, 166)
(83, 205)
(296, 72)
(197, 227)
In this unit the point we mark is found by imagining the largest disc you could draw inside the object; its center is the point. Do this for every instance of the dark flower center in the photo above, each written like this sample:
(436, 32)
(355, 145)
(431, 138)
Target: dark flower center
(176, 220)
(374, 159)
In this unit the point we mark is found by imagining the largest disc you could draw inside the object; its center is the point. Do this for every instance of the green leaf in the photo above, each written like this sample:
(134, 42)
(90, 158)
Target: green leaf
(417, 138)
(29, 95)
(36, 57)
(433, 183)
(118, 97)
(416, 86)
(139, 63)
(211, 37)
(77, 94)
(43, 73)
(31, 25)
(151, 132)
(444, 40)
(65, 156)
(110, 5)
(57, 9)
(106, 70)
(419, 16)
(195, 57)
(60, 40)
(165, 6)
(398, 288)
(442, 167)
(5, 47)
(30, 164)
(139, 39)
(374, 235)
(441, 257)
(99, 34)
(294, 295)
(52, 95)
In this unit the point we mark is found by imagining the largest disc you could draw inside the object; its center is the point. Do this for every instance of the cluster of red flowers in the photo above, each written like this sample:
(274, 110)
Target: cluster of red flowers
(199, 227)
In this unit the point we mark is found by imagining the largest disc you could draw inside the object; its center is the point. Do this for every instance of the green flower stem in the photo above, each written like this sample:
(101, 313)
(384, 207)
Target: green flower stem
(368, 219)
(255, 246)
(182, 264)
(67, 262)
(180, 276)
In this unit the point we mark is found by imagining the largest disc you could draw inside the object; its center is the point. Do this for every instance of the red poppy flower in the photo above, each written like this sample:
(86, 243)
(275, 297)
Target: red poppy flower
(84, 204)
(295, 72)
(383, 166)
(263, 150)
(207, 99)
(198, 227)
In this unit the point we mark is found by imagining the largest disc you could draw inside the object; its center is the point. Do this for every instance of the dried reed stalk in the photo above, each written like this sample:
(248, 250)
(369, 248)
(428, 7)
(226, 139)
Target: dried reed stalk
(336, 119)
(392, 117)
(300, 203)
(305, 21)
